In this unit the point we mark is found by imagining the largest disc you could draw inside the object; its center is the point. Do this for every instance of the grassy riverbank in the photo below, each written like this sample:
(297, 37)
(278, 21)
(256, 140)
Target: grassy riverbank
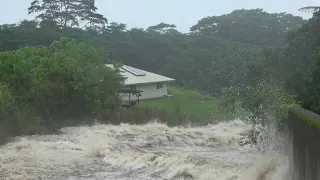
(190, 102)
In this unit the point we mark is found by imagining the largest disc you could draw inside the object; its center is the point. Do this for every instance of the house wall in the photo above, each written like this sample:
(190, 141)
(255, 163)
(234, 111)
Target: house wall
(149, 91)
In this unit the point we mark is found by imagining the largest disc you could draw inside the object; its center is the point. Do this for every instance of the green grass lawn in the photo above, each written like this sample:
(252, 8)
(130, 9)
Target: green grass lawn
(191, 102)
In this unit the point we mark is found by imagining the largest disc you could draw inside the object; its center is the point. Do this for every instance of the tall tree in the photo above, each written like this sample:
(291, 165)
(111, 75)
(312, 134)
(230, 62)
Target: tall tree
(310, 8)
(68, 12)
(206, 61)
(253, 26)
(162, 28)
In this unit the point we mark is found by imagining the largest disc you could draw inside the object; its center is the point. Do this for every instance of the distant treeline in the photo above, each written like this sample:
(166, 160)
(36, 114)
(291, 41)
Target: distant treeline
(242, 53)
(237, 49)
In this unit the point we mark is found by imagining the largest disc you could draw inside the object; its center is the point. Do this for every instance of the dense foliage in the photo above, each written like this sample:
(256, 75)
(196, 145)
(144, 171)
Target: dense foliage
(249, 26)
(248, 58)
(207, 61)
(64, 79)
(301, 58)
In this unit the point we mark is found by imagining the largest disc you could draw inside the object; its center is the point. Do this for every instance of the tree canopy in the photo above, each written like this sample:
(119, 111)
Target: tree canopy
(253, 26)
(64, 79)
(240, 49)
(52, 67)
(67, 12)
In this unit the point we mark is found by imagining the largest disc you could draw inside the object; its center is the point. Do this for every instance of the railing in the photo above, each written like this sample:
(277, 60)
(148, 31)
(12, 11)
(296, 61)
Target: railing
(304, 137)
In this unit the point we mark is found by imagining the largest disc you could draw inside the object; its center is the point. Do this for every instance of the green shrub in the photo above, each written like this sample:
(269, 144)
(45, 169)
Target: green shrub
(63, 79)
(7, 101)
(45, 85)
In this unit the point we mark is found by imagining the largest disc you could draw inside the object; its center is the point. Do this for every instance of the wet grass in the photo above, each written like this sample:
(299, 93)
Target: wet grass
(190, 102)
(185, 107)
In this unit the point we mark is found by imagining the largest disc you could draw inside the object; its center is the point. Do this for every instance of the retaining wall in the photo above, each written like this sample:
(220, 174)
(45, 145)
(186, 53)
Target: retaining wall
(304, 137)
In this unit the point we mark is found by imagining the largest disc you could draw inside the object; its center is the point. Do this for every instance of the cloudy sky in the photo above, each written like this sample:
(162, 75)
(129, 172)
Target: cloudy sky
(182, 13)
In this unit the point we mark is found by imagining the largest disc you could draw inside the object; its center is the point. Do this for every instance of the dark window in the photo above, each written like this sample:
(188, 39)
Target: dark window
(159, 85)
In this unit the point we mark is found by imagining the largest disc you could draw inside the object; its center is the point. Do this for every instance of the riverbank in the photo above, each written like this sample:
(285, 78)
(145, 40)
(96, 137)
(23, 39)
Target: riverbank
(191, 102)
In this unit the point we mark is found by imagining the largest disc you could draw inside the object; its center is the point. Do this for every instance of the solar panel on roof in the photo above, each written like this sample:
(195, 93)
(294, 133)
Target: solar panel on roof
(133, 71)
(126, 68)
(137, 71)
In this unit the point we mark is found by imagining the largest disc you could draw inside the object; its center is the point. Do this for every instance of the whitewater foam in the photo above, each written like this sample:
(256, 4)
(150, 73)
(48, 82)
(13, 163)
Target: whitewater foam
(151, 151)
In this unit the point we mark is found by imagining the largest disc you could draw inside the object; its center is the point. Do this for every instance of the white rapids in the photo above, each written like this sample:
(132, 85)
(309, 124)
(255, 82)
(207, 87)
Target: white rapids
(144, 152)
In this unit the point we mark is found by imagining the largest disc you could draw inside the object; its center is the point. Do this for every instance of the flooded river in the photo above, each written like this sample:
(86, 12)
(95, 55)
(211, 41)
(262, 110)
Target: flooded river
(147, 152)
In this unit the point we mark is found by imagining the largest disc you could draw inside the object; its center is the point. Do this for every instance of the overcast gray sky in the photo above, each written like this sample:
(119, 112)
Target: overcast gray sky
(182, 13)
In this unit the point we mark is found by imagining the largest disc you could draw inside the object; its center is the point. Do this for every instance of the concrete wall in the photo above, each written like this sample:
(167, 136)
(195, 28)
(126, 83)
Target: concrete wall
(150, 91)
(304, 138)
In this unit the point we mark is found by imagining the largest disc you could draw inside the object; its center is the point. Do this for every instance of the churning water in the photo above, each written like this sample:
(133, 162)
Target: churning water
(146, 152)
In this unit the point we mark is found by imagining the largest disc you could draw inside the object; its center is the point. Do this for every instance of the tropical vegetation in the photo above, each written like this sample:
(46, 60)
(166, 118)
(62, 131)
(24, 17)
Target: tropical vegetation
(52, 68)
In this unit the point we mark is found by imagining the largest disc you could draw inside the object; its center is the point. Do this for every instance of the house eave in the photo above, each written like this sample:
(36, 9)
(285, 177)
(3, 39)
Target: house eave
(166, 81)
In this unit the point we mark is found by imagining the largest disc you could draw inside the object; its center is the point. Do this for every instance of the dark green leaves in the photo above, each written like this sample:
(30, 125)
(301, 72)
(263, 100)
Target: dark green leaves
(64, 78)
(253, 26)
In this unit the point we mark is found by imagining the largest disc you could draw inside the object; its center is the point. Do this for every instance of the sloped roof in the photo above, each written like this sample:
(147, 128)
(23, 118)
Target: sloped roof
(143, 77)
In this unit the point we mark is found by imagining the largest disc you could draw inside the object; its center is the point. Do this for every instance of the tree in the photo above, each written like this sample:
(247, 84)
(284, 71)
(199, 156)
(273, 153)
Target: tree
(206, 60)
(64, 78)
(43, 86)
(310, 9)
(162, 28)
(253, 26)
(301, 63)
(67, 12)
(261, 95)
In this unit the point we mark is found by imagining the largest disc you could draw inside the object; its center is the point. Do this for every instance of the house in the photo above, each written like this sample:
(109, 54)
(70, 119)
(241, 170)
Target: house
(150, 84)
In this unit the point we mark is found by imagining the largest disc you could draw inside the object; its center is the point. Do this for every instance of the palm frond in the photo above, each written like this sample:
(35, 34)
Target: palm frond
(310, 9)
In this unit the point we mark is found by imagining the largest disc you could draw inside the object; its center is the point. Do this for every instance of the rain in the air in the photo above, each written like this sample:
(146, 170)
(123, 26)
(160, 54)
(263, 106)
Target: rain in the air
(159, 90)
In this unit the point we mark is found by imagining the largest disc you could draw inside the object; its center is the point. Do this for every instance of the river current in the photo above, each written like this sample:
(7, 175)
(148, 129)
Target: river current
(140, 152)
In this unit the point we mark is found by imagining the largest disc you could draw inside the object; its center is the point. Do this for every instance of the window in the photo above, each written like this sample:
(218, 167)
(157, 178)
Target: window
(133, 87)
(159, 85)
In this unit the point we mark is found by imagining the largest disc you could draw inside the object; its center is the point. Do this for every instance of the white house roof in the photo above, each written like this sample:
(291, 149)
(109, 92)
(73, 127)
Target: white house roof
(138, 76)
